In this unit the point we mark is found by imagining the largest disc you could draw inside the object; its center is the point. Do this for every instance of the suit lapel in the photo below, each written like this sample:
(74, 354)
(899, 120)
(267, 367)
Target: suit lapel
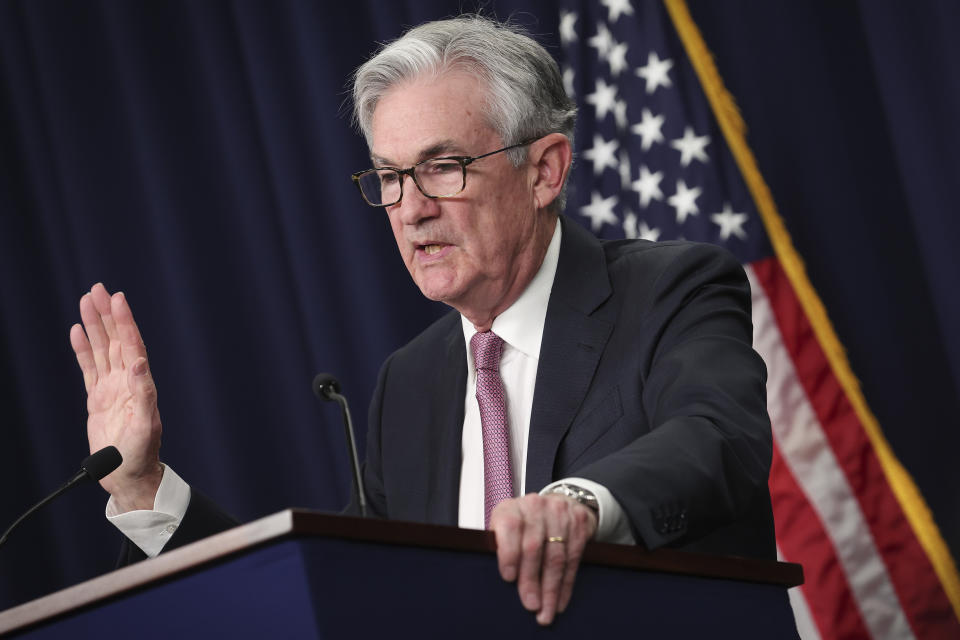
(447, 417)
(573, 341)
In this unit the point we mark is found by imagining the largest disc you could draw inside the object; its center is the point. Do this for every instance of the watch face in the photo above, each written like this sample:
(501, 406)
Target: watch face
(579, 494)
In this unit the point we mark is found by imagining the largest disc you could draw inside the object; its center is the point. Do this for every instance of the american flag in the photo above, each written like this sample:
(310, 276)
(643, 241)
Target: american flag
(655, 162)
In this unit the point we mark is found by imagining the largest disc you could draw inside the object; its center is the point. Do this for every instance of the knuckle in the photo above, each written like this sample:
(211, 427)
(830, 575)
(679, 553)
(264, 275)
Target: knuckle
(558, 507)
(555, 562)
(532, 546)
(582, 516)
(507, 521)
(533, 502)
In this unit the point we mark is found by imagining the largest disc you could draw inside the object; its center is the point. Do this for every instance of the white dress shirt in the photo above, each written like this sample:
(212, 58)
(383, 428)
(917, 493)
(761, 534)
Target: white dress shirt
(150, 530)
(521, 327)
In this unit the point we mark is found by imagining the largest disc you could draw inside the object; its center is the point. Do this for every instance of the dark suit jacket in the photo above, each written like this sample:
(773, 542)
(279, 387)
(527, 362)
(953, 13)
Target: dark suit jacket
(647, 384)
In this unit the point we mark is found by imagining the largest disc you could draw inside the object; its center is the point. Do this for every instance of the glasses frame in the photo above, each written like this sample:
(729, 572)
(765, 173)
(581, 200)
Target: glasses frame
(464, 162)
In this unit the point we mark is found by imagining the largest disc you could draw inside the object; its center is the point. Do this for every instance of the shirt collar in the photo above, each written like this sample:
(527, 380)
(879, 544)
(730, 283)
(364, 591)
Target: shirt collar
(521, 324)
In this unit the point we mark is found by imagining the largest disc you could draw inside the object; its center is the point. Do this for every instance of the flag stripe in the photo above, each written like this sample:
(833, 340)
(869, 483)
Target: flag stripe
(910, 570)
(806, 450)
(825, 595)
(902, 485)
(806, 628)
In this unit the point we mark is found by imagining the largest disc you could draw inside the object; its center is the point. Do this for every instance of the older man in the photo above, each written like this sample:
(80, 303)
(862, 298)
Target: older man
(578, 391)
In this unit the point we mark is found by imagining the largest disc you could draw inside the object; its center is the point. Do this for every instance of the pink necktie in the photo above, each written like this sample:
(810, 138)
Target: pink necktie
(497, 476)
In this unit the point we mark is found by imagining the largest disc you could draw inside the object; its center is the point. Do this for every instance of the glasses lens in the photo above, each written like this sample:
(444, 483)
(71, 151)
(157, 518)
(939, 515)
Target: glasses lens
(380, 186)
(440, 178)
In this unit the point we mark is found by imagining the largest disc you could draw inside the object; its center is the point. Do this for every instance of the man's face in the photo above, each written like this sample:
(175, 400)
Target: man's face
(471, 250)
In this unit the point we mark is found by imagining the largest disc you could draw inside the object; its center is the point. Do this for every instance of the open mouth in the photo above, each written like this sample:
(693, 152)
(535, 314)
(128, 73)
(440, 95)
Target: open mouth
(431, 249)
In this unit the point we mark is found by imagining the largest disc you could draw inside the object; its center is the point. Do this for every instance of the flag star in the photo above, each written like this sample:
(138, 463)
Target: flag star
(602, 98)
(684, 201)
(691, 146)
(602, 42)
(602, 154)
(624, 169)
(730, 222)
(568, 76)
(620, 114)
(655, 72)
(647, 233)
(649, 129)
(617, 58)
(630, 224)
(600, 210)
(616, 8)
(648, 186)
(568, 34)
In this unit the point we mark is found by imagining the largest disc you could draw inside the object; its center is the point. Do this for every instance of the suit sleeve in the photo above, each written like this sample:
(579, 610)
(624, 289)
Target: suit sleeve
(703, 461)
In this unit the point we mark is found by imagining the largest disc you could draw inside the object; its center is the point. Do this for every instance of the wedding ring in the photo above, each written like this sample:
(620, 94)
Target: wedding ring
(555, 539)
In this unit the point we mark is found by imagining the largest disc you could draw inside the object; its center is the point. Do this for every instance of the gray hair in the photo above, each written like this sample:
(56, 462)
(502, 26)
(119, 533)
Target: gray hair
(525, 95)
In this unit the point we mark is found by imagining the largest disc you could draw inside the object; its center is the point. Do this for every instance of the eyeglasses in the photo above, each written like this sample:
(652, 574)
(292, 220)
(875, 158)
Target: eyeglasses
(435, 178)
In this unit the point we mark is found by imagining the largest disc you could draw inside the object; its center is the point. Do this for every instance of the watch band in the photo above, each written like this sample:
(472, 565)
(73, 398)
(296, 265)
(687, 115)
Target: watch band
(581, 495)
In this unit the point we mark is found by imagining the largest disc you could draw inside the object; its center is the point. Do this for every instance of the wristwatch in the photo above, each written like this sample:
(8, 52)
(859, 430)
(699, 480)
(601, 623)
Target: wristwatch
(579, 494)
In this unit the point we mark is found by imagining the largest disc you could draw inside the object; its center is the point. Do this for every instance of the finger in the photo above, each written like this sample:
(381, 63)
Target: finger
(131, 342)
(81, 347)
(554, 557)
(581, 532)
(534, 535)
(96, 334)
(507, 525)
(101, 302)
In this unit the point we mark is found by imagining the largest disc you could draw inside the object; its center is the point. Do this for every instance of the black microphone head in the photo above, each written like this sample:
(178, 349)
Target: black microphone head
(100, 463)
(323, 384)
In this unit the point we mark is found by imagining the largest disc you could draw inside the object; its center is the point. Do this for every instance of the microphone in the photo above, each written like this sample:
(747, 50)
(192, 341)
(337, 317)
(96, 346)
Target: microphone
(97, 465)
(326, 387)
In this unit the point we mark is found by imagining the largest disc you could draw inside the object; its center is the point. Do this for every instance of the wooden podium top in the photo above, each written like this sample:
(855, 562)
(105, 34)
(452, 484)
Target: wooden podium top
(306, 523)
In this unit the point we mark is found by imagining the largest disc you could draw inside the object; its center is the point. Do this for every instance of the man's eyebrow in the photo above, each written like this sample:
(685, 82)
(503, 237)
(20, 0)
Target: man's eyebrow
(442, 148)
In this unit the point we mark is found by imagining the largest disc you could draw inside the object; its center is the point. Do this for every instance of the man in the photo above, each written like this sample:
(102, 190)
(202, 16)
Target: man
(578, 390)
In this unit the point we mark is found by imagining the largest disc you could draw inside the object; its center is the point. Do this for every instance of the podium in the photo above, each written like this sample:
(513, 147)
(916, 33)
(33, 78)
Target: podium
(305, 574)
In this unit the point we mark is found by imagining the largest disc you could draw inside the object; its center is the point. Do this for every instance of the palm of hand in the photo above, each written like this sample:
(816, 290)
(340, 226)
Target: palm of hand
(113, 419)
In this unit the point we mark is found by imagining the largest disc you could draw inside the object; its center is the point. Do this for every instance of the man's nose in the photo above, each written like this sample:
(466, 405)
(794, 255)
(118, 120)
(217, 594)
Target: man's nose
(414, 206)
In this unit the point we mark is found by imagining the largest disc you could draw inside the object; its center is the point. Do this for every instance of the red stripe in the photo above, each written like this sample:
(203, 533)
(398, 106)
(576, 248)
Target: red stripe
(921, 595)
(802, 538)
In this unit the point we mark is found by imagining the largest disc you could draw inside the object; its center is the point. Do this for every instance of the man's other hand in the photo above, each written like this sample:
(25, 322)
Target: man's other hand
(121, 396)
(540, 541)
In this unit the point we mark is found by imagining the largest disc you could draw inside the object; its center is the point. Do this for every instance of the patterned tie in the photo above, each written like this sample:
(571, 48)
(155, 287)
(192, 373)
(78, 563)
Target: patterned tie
(497, 476)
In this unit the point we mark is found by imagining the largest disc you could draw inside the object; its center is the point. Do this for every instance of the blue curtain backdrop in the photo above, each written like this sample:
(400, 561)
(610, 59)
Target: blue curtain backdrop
(196, 155)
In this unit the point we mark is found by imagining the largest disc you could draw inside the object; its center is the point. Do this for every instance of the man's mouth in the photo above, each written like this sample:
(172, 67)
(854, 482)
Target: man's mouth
(432, 249)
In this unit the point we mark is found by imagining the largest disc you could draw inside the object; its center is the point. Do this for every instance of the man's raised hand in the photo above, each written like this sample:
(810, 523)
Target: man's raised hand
(121, 396)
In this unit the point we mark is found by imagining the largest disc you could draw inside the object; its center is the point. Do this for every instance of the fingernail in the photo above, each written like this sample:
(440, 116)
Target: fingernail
(531, 600)
(140, 367)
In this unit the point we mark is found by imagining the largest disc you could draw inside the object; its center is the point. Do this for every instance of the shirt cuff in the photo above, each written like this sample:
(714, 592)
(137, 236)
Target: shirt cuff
(150, 530)
(612, 523)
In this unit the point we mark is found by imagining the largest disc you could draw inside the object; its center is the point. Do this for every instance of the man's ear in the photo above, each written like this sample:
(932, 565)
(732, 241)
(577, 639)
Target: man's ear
(551, 157)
